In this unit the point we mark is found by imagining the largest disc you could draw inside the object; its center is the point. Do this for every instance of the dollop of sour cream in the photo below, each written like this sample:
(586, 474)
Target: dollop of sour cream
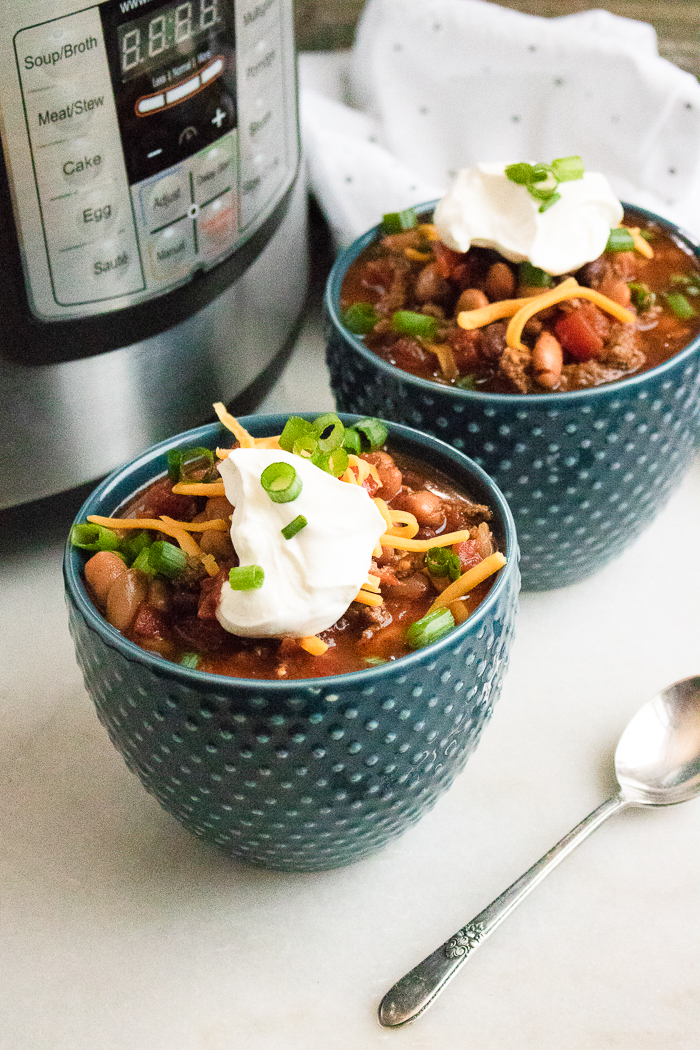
(310, 579)
(484, 208)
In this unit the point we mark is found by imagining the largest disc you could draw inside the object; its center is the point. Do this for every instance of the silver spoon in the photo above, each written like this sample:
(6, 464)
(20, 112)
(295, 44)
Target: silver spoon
(657, 763)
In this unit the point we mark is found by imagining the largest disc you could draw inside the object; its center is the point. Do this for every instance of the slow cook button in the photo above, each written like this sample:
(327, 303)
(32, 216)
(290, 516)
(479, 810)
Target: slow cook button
(171, 252)
(217, 225)
(165, 200)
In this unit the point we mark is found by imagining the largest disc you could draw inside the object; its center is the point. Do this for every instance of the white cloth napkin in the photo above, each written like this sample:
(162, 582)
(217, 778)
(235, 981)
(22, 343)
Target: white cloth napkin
(432, 86)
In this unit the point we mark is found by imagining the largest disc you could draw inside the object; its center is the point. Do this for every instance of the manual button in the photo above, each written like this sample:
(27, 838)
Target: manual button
(171, 251)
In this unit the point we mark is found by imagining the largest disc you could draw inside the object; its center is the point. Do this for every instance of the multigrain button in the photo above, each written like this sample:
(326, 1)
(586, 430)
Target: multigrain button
(166, 200)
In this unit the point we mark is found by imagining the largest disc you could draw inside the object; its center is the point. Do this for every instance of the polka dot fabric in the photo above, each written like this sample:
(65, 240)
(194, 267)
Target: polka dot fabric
(308, 775)
(584, 473)
(494, 84)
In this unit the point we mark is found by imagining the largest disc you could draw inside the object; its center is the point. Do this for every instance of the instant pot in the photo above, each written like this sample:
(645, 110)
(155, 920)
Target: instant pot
(152, 225)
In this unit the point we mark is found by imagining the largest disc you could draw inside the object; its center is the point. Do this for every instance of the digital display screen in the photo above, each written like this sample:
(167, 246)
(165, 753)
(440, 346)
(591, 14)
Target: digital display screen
(152, 39)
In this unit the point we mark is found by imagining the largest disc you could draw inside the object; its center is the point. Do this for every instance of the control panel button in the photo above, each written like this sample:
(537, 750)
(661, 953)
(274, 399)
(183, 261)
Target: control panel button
(101, 270)
(166, 199)
(97, 213)
(217, 225)
(215, 170)
(66, 111)
(171, 251)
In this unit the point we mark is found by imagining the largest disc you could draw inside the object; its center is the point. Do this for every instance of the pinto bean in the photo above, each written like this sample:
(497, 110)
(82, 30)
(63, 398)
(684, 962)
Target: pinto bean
(158, 593)
(410, 589)
(547, 360)
(101, 571)
(389, 474)
(617, 290)
(217, 507)
(216, 543)
(500, 282)
(430, 285)
(124, 597)
(426, 506)
(471, 299)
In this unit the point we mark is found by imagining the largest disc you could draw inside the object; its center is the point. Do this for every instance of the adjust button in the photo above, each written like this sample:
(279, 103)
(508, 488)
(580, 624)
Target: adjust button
(165, 200)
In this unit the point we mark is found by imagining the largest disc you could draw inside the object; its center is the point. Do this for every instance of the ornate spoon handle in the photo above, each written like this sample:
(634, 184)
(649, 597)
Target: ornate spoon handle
(410, 996)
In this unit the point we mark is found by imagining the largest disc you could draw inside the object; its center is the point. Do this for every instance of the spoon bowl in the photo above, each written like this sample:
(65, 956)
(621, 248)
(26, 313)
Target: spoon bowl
(657, 760)
(657, 763)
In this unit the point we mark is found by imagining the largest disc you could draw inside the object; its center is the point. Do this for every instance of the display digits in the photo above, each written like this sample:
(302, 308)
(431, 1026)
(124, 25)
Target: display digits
(147, 38)
(183, 22)
(131, 49)
(209, 13)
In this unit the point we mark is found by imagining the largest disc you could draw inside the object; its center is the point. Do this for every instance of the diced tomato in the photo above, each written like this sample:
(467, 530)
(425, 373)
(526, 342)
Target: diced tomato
(371, 484)
(577, 332)
(149, 623)
(446, 260)
(467, 553)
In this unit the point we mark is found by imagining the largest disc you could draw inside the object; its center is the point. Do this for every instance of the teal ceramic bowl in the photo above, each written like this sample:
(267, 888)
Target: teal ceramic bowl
(298, 775)
(584, 472)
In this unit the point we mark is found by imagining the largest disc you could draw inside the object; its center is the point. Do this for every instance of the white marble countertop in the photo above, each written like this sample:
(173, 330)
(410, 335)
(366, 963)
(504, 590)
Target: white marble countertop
(120, 931)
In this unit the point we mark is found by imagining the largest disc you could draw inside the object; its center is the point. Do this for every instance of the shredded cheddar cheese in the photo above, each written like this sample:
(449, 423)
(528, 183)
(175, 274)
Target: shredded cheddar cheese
(468, 581)
(417, 256)
(313, 645)
(384, 511)
(368, 598)
(405, 544)
(642, 246)
(484, 315)
(557, 295)
(403, 523)
(245, 440)
(199, 488)
(446, 359)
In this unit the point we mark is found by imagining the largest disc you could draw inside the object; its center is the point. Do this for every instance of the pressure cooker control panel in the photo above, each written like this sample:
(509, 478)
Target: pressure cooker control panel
(159, 137)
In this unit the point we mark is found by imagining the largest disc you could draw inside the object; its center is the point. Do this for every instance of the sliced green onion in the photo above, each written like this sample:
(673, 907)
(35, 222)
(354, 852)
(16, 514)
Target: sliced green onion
(281, 482)
(428, 629)
(398, 221)
(329, 431)
(642, 295)
(294, 429)
(689, 281)
(441, 561)
(406, 322)
(335, 462)
(352, 441)
(305, 446)
(466, 383)
(189, 660)
(647, 235)
(90, 537)
(134, 544)
(519, 173)
(295, 526)
(360, 318)
(620, 240)
(533, 277)
(161, 558)
(190, 463)
(567, 168)
(375, 661)
(373, 430)
(246, 577)
(680, 306)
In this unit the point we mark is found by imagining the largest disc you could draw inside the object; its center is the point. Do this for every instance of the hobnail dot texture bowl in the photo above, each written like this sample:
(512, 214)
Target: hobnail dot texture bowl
(584, 472)
(299, 775)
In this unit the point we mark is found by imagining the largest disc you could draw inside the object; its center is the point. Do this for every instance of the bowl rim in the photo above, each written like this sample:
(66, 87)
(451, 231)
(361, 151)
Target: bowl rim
(77, 592)
(555, 400)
